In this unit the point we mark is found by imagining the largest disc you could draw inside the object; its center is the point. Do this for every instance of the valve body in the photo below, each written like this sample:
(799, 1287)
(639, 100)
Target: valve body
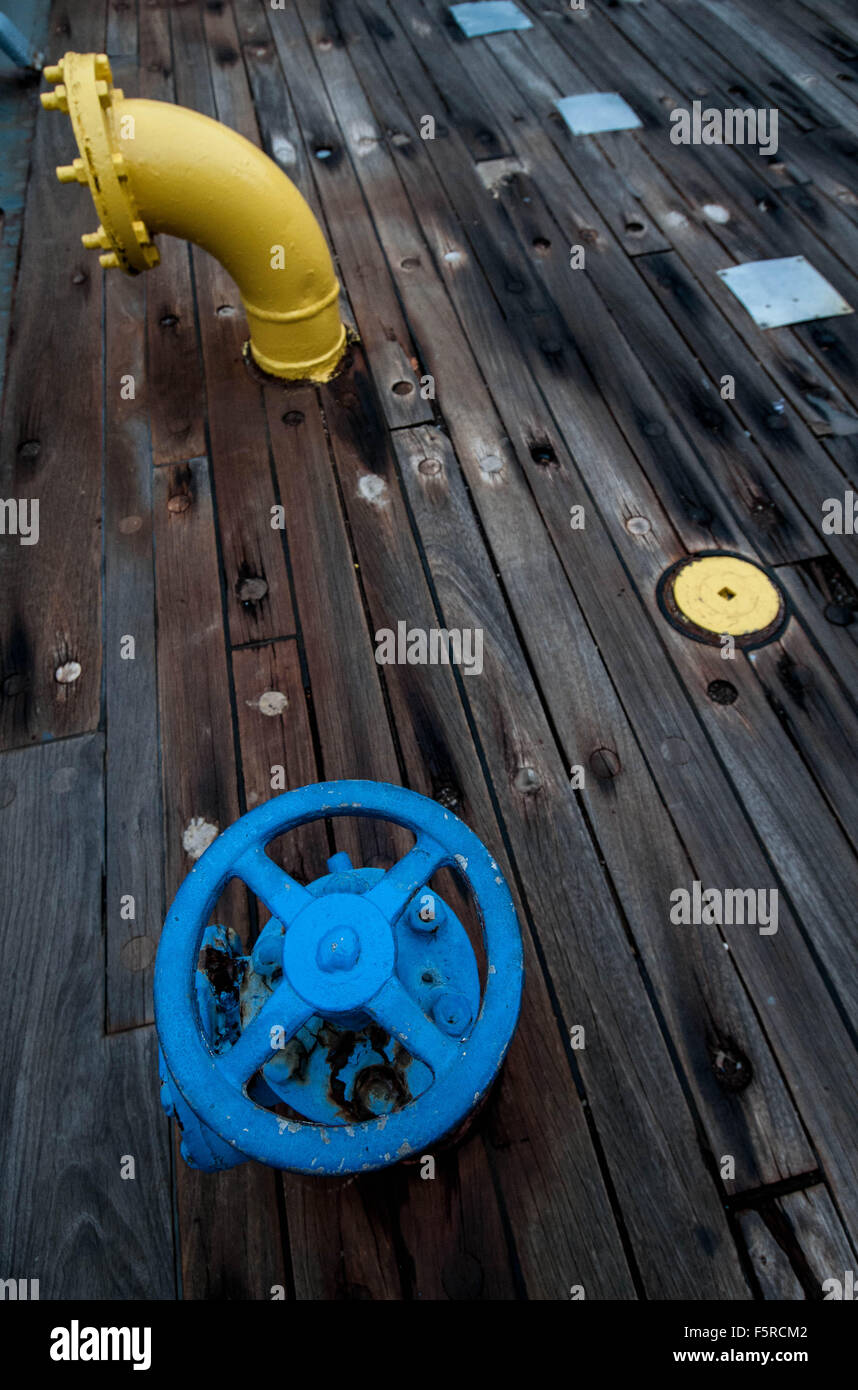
(357, 1030)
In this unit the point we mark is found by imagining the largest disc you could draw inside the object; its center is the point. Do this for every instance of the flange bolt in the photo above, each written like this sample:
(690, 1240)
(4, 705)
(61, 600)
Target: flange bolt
(426, 913)
(452, 1012)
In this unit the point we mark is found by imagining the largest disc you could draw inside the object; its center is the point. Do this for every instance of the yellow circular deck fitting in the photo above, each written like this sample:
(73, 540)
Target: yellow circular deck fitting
(724, 594)
(715, 594)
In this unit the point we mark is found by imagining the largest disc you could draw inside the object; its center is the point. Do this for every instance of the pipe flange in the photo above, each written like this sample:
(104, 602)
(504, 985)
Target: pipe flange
(83, 88)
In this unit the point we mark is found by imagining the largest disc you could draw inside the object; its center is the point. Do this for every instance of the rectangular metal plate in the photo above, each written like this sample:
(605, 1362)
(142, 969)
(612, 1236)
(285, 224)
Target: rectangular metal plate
(489, 17)
(783, 291)
(594, 112)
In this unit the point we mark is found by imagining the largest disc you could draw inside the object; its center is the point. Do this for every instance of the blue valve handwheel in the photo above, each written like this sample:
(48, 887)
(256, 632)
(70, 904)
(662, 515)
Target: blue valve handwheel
(339, 963)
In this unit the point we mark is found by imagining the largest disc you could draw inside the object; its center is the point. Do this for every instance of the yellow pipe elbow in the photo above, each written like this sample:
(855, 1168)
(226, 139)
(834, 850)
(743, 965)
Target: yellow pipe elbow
(156, 168)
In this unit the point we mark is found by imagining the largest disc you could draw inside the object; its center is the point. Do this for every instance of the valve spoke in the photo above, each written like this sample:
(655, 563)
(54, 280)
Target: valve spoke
(262, 1037)
(394, 1008)
(283, 895)
(393, 893)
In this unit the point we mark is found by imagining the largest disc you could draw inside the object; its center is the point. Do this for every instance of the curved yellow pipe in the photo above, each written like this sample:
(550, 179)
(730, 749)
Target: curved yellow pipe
(153, 167)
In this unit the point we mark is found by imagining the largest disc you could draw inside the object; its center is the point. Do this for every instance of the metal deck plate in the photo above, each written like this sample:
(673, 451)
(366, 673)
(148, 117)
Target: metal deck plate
(489, 17)
(594, 112)
(783, 291)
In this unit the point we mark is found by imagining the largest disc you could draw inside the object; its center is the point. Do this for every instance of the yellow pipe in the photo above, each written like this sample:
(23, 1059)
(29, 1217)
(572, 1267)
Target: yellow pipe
(153, 167)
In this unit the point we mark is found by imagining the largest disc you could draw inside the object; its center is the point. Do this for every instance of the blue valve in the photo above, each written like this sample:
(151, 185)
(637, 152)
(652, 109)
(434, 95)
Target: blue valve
(355, 1033)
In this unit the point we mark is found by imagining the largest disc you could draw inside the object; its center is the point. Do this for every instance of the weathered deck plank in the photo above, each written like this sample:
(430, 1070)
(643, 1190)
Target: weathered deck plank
(796, 1243)
(18, 107)
(173, 366)
(791, 59)
(77, 1217)
(48, 625)
(836, 14)
(692, 49)
(228, 1222)
(132, 792)
(255, 578)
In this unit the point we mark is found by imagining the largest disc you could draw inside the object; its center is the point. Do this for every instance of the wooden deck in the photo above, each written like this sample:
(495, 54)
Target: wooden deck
(602, 1167)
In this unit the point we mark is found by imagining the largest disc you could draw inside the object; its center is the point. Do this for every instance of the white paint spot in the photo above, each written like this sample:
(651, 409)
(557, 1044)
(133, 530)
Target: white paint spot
(363, 138)
(495, 173)
(462, 863)
(271, 702)
(283, 150)
(68, 672)
(452, 257)
(197, 836)
(373, 489)
(715, 212)
(676, 219)
(61, 781)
